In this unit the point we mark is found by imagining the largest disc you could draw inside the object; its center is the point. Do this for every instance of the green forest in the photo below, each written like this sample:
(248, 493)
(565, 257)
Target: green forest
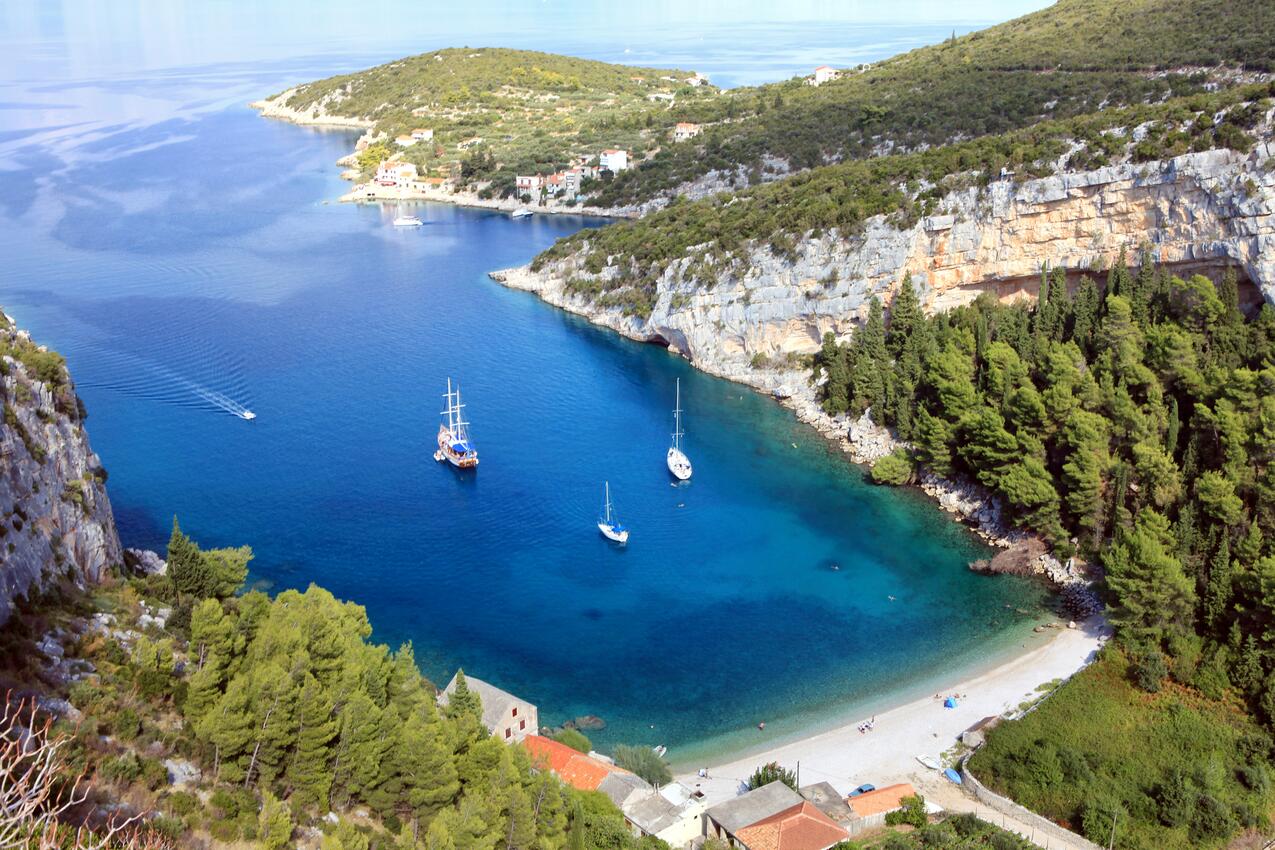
(1132, 424)
(291, 713)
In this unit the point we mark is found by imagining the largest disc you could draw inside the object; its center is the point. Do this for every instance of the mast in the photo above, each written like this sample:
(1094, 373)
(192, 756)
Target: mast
(608, 502)
(677, 417)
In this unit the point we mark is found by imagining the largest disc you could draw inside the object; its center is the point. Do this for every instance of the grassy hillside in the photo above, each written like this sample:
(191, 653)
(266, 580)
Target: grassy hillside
(1073, 58)
(532, 111)
(1181, 770)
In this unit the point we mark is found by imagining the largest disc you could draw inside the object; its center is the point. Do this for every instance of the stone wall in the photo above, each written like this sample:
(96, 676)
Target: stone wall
(55, 517)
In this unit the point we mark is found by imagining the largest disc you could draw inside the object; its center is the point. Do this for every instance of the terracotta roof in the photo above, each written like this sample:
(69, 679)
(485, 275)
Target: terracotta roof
(802, 827)
(612, 150)
(824, 68)
(885, 799)
(572, 766)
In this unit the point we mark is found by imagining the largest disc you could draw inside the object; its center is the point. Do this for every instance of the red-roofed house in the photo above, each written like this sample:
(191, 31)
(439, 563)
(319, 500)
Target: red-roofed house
(572, 766)
(873, 806)
(395, 173)
(802, 827)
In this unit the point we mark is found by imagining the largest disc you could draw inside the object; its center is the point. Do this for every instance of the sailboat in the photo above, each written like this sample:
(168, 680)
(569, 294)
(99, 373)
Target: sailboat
(678, 463)
(454, 444)
(609, 524)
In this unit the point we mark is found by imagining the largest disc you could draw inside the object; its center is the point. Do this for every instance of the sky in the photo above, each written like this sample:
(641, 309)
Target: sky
(79, 38)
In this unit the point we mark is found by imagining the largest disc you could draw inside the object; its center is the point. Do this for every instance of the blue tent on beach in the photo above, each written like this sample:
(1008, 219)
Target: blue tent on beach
(950, 702)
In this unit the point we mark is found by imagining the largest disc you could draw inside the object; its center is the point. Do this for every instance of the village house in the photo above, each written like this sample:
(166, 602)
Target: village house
(672, 813)
(404, 141)
(395, 173)
(872, 807)
(553, 185)
(773, 817)
(696, 79)
(614, 161)
(528, 184)
(823, 74)
(508, 718)
(685, 130)
(423, 134)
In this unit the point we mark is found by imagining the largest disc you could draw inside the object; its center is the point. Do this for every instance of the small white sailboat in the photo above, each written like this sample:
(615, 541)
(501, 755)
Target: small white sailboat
(609, 524)
(521, 212)
(454, 445)
(407, 221)
(678, 463)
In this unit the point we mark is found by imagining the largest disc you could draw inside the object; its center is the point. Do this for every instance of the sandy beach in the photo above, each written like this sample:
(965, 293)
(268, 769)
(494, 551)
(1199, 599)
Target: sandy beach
(847, 758)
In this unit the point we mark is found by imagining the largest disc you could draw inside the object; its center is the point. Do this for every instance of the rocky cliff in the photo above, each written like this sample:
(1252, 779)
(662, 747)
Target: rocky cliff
(1196, 211)
(55, 518)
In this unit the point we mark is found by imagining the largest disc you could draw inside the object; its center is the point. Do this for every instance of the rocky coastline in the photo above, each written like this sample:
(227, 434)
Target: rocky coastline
(367, 193)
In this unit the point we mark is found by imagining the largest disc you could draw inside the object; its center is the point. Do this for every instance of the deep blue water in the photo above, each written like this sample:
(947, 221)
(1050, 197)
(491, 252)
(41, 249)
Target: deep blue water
(182, 252)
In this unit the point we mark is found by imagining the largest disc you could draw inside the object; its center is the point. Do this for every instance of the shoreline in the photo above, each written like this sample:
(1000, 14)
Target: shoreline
(359, 195)
(846, 757)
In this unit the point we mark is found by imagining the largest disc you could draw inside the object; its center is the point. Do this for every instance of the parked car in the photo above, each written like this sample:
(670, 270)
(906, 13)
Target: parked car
(863, 789)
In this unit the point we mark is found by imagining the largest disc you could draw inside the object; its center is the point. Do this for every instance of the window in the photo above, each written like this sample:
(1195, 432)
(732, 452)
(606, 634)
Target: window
(522, 724)
(509, 733)
(515, 711)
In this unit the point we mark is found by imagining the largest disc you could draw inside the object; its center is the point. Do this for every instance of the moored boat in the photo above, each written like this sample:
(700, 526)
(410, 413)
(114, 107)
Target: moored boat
(609, 524)
(678, 463)
(407, 221)
(454, 445)
(521, 212)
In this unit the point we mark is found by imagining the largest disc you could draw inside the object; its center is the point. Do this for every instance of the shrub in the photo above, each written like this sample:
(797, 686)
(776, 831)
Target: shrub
(772, 772)
(912, 813)
(1212, 819)
(575, 739)
(1149, 669)
(894, 469)
(645, 763)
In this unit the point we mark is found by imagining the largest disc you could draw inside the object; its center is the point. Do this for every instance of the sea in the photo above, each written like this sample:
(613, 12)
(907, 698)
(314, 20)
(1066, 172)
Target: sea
(189, 259)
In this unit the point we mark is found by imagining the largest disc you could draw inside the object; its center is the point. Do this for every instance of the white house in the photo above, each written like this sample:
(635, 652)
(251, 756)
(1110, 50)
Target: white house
(528, 184)
(508, 718)
(614, 161)
(404, 141)
(697, 79)
(395, 173)
(685, 130)
(822, 75)
(423, 134)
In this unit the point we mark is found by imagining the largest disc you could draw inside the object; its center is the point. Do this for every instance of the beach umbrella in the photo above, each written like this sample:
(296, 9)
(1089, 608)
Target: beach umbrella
(950, 702)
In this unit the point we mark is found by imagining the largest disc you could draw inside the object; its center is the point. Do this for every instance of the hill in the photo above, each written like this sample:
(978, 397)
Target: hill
(496, 112)
(1072, 58)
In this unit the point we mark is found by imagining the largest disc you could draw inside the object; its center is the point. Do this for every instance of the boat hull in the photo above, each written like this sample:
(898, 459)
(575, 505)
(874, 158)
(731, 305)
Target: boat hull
(611, 534)
(679, 465)
(460, 460)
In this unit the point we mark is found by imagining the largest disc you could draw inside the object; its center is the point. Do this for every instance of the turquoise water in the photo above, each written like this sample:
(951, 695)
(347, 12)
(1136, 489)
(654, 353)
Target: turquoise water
(183, 254)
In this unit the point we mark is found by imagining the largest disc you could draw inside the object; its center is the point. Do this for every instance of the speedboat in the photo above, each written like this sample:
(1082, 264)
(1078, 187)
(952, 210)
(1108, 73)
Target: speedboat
(610, 525)
(407, 221)
(678, 463)
(247, 414)
(521, 212)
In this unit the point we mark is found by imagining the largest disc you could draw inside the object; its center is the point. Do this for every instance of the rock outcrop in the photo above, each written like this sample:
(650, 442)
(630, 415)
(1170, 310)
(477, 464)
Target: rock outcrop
(315, 115)
(55, 518)
(1197, 211)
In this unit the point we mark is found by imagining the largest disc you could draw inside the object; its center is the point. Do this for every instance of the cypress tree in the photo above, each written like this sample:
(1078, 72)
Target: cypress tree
(186, 566)
(1217, 590)
(906, 319)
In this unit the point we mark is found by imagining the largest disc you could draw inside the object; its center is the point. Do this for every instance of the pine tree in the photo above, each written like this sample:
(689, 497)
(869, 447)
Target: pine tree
(426, 764)
(906, 319)
(275, 823)
(1153, 593)
(355, 769)
(228, 728)
(1119, 281)
(575, 837)
(1085, 314)
(274, 699)
(1217, 590)
(308, 772)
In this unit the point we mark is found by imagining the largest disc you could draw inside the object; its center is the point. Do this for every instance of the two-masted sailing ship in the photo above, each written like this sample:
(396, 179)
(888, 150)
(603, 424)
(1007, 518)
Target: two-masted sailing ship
(454, 444)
